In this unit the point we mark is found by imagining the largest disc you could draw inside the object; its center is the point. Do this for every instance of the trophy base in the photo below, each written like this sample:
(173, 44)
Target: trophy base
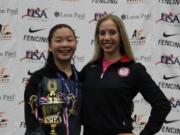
(53, 131)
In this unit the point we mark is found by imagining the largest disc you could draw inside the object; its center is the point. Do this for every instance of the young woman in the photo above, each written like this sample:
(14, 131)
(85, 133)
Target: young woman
(58, 79)
(110, 82)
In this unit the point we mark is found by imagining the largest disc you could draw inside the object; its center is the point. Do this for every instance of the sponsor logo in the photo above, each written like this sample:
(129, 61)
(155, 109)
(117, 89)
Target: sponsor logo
(9, 11)
(165, 85)
(170, 2)
(104, 1)
(8, 54)
(171, 77)
(5, 33)
(3, 121)
(98, 15)
(169, 35)
(136, 17)
(171, 130)
(168, 43)
(75, 15)
(175, 103)
(169, 60)
(137, 38)
(31, 38)
(170, 121)
(4, 75)
(7, 98)
(34, 56)
(137, 34)
(36, 14)
(134, 1)
(144, 58)
(22, 124)
(170, 18)
(34, 30)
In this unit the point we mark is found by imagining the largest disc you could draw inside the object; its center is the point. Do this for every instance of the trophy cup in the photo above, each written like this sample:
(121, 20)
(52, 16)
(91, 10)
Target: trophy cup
(52, 109)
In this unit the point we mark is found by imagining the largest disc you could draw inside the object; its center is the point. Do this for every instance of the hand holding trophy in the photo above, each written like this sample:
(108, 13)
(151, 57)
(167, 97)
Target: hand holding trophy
(52, 107)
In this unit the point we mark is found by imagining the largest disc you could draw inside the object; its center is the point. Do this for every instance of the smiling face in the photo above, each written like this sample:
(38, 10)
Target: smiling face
(109, 39)
(63, 44)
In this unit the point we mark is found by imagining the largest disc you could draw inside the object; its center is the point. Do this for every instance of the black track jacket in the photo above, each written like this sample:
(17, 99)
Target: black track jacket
(35, 87)
(108, 98)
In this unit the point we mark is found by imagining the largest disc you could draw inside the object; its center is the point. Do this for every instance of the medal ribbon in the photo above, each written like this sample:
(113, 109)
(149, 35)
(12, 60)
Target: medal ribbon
(69, 88)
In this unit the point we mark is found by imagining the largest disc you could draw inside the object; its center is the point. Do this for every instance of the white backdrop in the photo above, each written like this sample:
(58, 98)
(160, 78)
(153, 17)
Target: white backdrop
(24, 26)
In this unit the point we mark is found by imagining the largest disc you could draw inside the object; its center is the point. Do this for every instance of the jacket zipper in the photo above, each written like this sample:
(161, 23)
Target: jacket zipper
(101, 76)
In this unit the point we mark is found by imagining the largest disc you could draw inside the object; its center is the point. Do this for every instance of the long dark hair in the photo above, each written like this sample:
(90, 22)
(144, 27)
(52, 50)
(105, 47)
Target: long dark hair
(50, 59)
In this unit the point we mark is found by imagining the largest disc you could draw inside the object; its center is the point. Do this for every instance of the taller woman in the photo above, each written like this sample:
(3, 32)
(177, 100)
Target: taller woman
(110, 82)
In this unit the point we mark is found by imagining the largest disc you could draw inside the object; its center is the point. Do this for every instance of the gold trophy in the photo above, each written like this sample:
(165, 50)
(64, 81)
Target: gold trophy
(52, 106)
(51, 109)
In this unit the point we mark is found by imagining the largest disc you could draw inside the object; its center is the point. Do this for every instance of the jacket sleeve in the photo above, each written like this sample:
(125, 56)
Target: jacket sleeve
(155, 97)
(32, 124)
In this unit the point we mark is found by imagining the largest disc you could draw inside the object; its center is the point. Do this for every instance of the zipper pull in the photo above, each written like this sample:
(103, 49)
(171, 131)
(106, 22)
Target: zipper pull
(102, 74)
